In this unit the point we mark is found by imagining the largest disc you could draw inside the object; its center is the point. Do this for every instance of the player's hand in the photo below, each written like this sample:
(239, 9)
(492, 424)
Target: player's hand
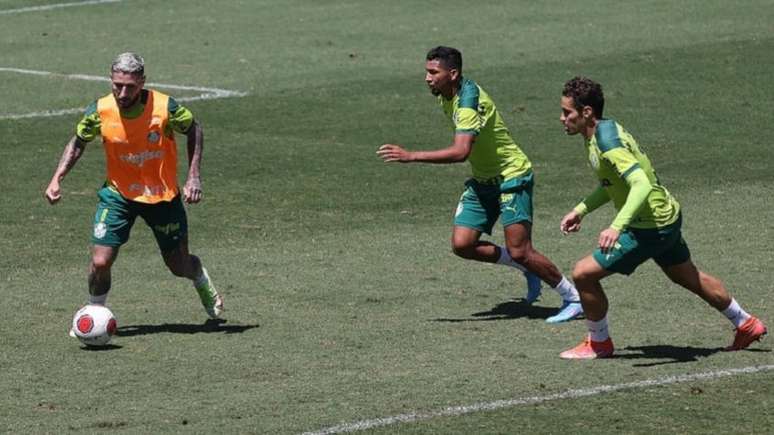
(571, 222)
(192, 191)
(607, 239)
(393, 153)
(53, 194)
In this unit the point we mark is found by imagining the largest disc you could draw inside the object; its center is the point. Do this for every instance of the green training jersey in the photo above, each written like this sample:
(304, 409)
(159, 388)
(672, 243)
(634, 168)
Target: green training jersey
(89, 127)
(494, 153)
(614, 155)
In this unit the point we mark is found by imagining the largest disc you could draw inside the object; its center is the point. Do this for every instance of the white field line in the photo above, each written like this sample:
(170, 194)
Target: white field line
(205, 93)
(55, 6)
(453, 411)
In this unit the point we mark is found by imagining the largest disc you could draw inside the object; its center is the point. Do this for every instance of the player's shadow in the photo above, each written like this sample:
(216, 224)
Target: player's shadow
(101, 348)
(515, 309)
(670, 354)
(210, 326)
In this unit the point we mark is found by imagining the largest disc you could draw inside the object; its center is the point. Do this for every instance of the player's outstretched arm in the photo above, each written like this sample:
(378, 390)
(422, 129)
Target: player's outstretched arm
(72, 152)
(457, 152)
(192, 191)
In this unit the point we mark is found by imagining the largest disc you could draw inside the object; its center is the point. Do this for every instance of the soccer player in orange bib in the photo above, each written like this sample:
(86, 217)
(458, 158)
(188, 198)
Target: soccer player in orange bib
(138, 133)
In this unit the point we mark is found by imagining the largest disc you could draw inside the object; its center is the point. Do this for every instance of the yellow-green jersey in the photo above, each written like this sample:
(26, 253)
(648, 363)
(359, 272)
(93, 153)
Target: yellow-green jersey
(627, 178)
(494, 153)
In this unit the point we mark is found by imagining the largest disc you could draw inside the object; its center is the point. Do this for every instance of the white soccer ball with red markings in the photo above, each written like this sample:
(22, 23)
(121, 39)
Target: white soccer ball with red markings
(94, 325)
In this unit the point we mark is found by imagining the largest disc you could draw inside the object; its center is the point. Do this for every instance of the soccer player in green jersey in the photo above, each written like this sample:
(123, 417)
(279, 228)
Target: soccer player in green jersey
(501, 186)
(646, 226)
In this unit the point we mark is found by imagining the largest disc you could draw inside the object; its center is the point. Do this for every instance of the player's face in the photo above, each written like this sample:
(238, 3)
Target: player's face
(572, 120)
(439, 79)
(126, 88)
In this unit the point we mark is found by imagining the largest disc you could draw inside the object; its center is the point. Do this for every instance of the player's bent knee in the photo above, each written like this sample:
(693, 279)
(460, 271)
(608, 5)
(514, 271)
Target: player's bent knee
(101, 262)
(581, 273)
(519, 254)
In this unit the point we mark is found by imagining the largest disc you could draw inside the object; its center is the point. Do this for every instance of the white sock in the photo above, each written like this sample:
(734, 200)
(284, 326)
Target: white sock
(598, 329)
(98, 300)
(505, 258)
(735, 313)
(567, 290)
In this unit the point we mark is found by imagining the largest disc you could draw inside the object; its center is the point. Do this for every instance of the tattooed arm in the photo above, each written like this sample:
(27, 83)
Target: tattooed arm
(72, 152)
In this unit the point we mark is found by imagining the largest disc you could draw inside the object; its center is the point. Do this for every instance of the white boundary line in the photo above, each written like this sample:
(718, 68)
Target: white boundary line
(206, 93)
(55, 6)
(454, 411)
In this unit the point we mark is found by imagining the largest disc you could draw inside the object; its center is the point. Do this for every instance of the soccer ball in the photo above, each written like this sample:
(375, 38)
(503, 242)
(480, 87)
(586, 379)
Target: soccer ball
(94, 325)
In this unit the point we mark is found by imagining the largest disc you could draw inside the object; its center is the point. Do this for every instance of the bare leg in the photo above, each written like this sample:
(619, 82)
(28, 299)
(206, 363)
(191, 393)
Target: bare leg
(587, 276)
(102, 259)
(182, 263)
(702, 284)
(518, 240)
(466, 244)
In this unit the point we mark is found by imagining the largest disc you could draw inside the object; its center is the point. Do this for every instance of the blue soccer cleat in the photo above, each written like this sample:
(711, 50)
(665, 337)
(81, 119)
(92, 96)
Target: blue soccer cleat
(568, 311)
(534, 285)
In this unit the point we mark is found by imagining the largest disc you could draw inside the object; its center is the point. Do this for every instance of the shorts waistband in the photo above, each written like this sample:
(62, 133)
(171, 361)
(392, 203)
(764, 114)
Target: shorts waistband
(498, 180)
(494, 181)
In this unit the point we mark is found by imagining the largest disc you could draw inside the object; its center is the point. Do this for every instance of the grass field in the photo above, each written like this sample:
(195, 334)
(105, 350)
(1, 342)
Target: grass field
(344, 302)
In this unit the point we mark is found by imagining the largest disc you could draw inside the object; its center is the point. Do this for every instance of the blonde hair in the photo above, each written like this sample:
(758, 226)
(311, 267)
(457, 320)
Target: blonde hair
(130, 63)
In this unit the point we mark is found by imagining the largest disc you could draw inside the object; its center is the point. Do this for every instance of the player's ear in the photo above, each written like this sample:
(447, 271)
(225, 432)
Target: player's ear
(454, 74)
(587, 112)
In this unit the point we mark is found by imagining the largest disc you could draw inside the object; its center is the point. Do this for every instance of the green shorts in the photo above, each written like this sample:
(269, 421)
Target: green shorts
(665, 246)
(115, 216)
(483, 202)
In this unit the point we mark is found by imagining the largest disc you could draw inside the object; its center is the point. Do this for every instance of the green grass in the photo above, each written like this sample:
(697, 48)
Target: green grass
(344, 302)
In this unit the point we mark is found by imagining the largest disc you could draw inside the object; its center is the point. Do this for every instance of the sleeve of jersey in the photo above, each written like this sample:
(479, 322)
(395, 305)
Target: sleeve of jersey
(88, 127)
(180, 118)
(639, 189)
(467, 121)
(597, 199)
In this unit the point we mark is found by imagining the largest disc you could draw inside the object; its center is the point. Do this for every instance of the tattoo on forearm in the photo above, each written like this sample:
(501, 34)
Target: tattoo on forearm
(71, 154)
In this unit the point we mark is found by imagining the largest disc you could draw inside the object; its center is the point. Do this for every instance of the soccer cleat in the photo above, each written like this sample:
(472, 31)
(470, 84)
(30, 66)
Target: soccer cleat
(751, 330)
(534, 285)
(589, 349)
(568, 311)
(212, 301)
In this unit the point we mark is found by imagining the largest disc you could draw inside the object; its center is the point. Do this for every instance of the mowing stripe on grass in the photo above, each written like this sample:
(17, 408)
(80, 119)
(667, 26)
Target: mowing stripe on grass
(205, 93)
(55, 6)
(454, 411)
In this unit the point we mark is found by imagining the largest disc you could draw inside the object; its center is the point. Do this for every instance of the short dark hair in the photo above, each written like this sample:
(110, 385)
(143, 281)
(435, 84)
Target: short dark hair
(585, 92)
(449, 57)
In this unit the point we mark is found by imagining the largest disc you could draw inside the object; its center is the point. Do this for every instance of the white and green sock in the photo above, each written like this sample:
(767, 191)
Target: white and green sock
(201, 280)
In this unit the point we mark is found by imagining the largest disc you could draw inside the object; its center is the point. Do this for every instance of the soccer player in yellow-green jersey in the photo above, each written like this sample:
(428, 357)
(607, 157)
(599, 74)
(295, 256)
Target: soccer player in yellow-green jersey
(647, 224)
(501, 185)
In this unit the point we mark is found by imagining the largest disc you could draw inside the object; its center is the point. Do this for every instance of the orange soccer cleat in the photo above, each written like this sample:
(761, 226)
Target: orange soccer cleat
(589, 349)
(751, 330)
